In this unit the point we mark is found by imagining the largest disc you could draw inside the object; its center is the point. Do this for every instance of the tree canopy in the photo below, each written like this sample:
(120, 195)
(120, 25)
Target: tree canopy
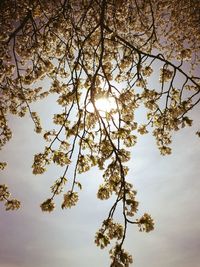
(103, 60)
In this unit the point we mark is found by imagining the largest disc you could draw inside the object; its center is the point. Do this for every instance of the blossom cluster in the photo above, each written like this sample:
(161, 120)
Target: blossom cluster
(10, 204)
(110, 230)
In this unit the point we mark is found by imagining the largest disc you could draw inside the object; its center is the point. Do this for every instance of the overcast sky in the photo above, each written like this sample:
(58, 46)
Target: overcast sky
(168, 188)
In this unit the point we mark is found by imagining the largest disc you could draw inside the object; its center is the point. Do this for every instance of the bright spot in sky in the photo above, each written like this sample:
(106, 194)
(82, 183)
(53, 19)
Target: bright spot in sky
(104, 104)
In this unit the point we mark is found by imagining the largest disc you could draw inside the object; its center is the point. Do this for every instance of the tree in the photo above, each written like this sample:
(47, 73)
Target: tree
(104, 60)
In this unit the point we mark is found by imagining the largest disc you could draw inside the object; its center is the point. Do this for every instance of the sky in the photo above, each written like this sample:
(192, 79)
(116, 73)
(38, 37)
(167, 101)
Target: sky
(168, 188)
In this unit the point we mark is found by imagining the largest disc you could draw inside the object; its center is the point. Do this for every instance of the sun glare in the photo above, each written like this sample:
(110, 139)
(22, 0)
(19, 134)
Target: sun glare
(103, 105)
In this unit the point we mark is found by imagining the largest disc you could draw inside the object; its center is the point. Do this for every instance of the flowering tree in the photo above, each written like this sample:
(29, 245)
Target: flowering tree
(103, 59)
